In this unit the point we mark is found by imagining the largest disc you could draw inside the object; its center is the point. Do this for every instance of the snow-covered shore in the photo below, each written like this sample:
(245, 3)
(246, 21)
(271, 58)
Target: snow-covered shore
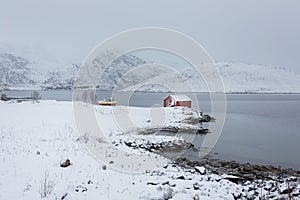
(37, 137)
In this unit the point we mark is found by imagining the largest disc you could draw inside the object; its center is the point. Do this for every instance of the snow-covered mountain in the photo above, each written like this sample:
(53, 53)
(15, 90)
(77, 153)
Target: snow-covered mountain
(21, 73)
(237, 78)
(240, 77)
(17, 72)
(60, 79)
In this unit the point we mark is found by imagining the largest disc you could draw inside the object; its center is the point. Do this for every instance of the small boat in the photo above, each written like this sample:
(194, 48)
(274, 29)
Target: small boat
(202, 130)
(110, 102)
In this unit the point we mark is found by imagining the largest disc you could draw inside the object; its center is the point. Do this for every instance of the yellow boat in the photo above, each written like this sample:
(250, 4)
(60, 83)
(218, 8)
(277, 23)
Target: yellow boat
(107, 103)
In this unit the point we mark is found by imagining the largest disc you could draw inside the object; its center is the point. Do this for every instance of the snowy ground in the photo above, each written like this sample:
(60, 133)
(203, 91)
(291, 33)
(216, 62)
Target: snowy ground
(37, 137)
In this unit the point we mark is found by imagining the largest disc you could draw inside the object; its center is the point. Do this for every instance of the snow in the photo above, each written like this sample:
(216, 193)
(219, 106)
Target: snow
(180, 97)
(35, 138)
(201, 170)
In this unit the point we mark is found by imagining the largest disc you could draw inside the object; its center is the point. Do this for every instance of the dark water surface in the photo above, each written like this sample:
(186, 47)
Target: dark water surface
(259, 128)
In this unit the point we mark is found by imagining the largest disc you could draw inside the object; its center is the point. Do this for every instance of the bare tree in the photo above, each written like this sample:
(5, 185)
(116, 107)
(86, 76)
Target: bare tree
(35, 95)
(47, 186)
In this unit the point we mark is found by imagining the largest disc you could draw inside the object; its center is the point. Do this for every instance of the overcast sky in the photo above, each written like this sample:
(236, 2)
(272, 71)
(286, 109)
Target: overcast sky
(250, 31)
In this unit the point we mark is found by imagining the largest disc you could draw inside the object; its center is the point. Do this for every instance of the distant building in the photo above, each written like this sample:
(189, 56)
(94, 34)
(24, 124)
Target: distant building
(178, 100)
(3, 97)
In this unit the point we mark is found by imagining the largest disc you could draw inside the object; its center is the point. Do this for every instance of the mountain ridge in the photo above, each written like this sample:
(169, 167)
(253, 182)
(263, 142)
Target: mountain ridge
(19, 73)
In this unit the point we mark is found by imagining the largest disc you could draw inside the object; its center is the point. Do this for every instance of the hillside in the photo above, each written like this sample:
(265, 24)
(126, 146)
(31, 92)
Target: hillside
(17, 72)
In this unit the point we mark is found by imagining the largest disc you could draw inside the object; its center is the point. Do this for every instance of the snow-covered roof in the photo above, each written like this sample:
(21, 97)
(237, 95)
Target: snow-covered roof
(180, 97)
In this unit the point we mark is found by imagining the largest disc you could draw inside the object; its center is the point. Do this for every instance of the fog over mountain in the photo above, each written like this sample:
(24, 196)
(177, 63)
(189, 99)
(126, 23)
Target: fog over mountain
(18, 72)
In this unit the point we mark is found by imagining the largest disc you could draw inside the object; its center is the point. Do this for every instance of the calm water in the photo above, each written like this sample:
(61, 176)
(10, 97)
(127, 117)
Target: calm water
(259, 128)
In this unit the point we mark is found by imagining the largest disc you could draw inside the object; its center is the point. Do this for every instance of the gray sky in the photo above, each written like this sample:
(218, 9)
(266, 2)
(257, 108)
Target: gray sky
(250, 31)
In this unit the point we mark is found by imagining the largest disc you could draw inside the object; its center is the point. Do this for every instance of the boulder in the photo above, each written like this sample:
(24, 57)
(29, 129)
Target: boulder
(67, 163)
(200, 170)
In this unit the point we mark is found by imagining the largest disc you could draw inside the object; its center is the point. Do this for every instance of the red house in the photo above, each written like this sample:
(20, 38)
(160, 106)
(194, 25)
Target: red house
(178, 100)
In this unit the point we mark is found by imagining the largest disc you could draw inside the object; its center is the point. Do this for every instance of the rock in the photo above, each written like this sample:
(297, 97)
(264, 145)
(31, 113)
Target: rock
(64, 196)
(237, 196)
(181, 177)
(80, 188)
(293, 179)
(166, 183)
(173, 185)
(168, 194)
(67, 163)
(200, 170)
(287, 191)
(196, 186)
(152, 183)
(128, 144)
(273, 189)
(196, 197)
(269, 186)
(296, 195)
(133, 145)
(234, 179)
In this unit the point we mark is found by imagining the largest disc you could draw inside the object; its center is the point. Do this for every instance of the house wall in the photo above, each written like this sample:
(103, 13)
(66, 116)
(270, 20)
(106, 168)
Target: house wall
(168, 102)
(184, 103)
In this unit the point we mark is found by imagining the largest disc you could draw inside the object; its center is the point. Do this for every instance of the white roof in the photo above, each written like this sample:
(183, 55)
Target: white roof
(180, 97)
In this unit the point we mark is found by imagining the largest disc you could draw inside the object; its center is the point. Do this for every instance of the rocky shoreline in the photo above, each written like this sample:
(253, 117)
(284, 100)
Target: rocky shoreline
(246, 171)
(256, 181)
(279, 183)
